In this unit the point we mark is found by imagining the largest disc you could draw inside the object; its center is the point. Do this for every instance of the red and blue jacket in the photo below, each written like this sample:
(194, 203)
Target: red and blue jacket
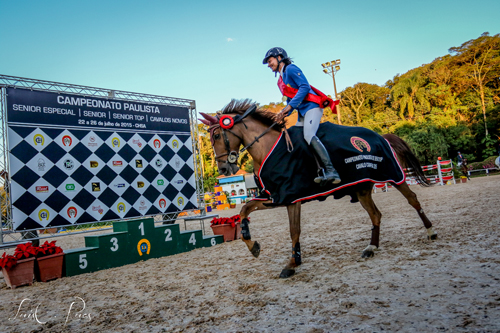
(300, 95)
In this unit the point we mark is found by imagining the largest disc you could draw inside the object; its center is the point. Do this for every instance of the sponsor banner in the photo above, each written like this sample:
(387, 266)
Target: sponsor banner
(40, 107)
(77, 159)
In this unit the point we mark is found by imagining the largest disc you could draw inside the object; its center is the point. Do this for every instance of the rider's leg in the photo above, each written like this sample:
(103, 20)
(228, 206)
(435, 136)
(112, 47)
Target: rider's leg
(311, 122)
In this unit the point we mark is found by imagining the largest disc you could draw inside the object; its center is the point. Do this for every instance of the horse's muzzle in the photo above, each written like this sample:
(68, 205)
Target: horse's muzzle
(227, 169)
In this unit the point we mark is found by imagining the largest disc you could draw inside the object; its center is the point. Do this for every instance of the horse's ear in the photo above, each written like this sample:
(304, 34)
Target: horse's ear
(206, 122)
(211, 119)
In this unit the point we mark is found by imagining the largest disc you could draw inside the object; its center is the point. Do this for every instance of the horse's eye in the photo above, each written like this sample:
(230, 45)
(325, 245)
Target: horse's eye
(217, 136)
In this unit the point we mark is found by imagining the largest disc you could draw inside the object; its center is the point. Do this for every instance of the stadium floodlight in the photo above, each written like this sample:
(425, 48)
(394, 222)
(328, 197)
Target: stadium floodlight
(331, 68)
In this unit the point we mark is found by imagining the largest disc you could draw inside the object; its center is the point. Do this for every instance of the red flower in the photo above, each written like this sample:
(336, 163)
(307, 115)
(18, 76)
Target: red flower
(25, 251)
(48, 249)
(226, 220)
(8, 261)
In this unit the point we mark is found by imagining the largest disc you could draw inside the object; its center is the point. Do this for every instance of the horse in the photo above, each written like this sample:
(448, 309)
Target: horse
(497, 162)
(464, 168)
(241, 123)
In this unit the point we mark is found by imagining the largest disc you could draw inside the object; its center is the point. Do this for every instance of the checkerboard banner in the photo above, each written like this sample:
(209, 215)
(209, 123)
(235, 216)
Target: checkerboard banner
(77, 159)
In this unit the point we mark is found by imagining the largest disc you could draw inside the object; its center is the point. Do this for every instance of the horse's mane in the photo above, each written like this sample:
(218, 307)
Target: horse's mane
(240, 106)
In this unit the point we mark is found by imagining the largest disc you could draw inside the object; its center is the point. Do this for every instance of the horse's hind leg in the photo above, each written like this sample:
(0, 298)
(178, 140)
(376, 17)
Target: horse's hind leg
(365, 198)
(296, 259)
(413, 201)
(249, 207)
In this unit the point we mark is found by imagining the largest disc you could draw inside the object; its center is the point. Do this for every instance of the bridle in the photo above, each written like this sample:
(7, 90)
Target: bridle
(225, 123)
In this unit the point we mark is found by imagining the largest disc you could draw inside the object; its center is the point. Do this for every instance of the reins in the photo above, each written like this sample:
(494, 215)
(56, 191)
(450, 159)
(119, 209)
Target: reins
(232, 156)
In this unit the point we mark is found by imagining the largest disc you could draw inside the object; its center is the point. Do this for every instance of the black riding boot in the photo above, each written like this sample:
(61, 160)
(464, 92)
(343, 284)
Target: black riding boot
(329, 172)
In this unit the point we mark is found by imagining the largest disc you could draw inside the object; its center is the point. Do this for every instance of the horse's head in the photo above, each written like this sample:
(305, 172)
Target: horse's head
(226, 139)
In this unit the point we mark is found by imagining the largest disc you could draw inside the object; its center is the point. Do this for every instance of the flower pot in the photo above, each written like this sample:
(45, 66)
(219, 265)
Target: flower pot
(232, 205)
(49, 267)
(21, 274)
(464, 180)
(237, 231)
(226, 230)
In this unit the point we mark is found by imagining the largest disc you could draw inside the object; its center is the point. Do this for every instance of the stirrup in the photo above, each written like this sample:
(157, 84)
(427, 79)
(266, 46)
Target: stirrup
(323, 180)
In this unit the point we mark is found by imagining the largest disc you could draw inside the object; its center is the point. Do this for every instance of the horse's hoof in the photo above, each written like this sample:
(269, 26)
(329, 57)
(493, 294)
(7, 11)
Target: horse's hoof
(255, 249)
(286, 273)
(367, 254)
(433, 237)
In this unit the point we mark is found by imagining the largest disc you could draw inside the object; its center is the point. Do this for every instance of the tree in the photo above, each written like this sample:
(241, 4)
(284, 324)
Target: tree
(479, 64)
(408, 93)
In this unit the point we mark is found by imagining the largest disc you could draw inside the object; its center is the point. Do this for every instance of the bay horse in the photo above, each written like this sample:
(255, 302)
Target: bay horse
(241, 123)
(464, 167)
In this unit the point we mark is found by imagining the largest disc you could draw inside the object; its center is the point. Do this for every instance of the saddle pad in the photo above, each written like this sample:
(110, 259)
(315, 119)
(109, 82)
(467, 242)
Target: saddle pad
(359, 155)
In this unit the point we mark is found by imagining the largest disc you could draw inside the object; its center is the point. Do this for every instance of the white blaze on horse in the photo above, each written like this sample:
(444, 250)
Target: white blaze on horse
(361, 156)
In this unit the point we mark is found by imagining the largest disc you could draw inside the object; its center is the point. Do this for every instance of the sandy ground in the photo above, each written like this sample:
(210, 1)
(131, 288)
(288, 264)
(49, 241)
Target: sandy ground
(411, 285)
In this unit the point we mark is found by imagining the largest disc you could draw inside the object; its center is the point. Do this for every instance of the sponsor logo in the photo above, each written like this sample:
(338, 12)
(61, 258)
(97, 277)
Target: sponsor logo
(70, 187)
(117, 163)
(143, 247)
(121, 207)
(98, 209)
(94, 164)
(158, 163)
(96, 187)
(180, 201)
(138, 163)
(180, 181)
(175, 144)
(68, 164)
(119, 185)
(140, 184)
(67, 140)
(162, 203)
(360, 144)
(160, 182)
(177, 163)
(41, 164)
(157, 143)
(43, 214)
(115, 142)
(137, 142)
(92, 142)
(38, 139)
(142, 205)
(42, 189)
(72, 212)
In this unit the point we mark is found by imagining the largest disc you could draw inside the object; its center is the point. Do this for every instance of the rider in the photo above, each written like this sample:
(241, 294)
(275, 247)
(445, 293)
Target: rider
(310, 113)
(460, 159)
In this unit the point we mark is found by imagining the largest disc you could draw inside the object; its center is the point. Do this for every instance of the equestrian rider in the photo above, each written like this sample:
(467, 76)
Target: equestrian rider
(310, 113)
(460, 159)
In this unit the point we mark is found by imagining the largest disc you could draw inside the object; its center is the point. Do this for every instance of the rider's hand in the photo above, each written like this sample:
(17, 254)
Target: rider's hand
(283, 113)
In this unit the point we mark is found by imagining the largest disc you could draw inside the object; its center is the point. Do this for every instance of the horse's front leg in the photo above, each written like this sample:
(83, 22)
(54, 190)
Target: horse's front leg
(249, 207)
(296, 259)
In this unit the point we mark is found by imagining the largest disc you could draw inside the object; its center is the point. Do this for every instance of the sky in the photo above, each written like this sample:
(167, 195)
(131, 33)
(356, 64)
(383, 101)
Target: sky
(212, 51)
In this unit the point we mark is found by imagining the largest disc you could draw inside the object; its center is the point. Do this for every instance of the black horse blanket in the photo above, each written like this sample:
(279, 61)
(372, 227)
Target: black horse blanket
(359, 155)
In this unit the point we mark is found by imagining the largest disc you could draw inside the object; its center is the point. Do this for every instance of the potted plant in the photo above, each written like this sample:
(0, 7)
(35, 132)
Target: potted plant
(228, 227)
(18, 269)
(49, 262)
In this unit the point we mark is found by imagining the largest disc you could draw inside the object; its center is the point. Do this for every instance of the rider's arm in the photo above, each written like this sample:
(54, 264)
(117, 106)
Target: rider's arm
(296, 75)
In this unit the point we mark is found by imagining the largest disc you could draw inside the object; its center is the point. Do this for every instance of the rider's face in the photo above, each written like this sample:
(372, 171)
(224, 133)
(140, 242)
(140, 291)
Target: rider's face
(272, 63)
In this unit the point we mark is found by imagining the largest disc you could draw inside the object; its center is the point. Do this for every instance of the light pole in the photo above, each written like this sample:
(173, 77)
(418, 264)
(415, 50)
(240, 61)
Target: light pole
(331, 68)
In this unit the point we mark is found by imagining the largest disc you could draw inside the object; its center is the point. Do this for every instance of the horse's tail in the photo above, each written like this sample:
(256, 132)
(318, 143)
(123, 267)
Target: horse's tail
(407, 158)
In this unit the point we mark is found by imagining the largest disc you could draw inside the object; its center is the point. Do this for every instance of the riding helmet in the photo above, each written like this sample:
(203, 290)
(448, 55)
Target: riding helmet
(275, 52)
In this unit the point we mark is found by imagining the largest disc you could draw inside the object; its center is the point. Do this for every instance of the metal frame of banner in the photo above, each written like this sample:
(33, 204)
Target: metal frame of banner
(10, 237)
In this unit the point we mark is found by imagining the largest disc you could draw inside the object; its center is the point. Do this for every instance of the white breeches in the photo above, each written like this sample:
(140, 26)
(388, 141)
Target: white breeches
(310, 122)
